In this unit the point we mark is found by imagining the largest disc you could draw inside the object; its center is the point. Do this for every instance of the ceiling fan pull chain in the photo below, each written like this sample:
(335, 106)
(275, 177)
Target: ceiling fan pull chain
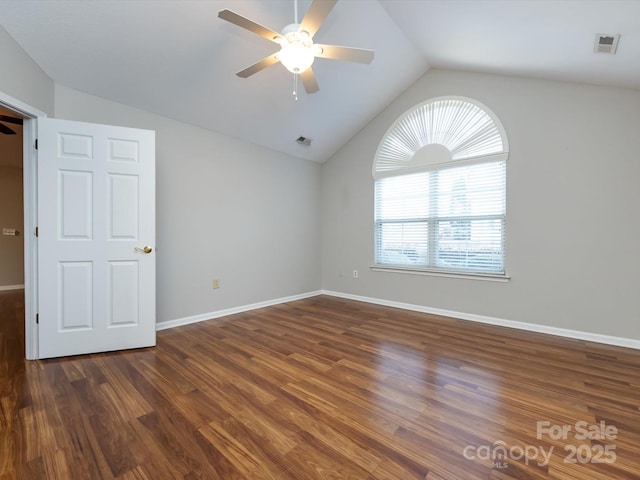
(295, 86)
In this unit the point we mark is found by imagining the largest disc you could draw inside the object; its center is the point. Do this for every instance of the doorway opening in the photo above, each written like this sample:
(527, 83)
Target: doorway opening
(29, 115)
(12, 229)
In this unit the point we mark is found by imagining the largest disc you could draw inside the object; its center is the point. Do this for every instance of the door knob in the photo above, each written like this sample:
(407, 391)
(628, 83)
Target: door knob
(146, 249)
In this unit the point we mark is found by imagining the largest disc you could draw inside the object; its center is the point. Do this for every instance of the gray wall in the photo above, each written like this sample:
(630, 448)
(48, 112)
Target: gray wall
(11, 216)
(573, 229)
(225, 209)
(21, 77)
(251, 217)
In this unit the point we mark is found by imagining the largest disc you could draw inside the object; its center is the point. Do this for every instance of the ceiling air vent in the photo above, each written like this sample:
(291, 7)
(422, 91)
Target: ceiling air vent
(304, 141)
(606, 43)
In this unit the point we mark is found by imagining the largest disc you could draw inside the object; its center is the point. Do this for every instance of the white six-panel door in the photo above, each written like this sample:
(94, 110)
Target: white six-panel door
(96, 215)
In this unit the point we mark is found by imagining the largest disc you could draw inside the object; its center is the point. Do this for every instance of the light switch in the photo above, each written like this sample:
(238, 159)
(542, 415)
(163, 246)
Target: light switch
(9, 231)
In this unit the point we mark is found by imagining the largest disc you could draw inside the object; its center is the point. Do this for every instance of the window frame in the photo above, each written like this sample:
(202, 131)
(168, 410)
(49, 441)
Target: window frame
(433, 220)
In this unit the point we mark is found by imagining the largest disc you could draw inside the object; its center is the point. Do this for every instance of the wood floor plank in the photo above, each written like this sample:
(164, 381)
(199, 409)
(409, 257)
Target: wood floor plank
(321, 388)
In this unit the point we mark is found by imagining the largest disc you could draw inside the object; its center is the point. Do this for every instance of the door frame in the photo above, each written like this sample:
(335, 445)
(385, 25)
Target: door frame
(30, 171)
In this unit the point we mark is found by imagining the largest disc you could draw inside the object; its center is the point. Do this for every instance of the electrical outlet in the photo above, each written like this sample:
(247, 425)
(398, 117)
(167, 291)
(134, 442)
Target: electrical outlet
(216, 283)
(355, 274)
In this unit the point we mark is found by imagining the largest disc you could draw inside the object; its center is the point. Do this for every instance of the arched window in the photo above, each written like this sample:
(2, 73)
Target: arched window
(440, 189)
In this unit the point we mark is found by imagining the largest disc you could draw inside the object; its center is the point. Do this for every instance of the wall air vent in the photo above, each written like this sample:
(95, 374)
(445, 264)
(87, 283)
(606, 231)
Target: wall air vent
(304, 141)
(606, 43)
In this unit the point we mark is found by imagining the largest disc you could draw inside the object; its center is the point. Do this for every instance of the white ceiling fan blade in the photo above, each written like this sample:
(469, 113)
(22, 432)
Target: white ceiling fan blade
(261, 65)
(250, 25)
(309, 81)
(349, 54)
(318, 11)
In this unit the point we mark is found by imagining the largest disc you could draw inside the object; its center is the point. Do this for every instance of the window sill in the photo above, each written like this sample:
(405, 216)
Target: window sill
(489, 277)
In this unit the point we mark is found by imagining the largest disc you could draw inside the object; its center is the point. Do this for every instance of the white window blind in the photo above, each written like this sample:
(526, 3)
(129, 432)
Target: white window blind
(460, 127)
(450, 219)
(440, 188)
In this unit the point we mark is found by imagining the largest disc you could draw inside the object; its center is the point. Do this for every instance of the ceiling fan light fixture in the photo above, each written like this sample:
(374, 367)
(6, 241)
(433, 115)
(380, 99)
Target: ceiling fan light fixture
(296, 57)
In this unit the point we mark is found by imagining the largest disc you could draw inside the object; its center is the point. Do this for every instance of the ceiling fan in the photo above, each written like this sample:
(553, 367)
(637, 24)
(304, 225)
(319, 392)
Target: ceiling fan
(297, 50)
(6, 119)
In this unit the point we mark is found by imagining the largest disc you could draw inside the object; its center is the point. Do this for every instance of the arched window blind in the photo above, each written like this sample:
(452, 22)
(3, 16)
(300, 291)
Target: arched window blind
(440, 189)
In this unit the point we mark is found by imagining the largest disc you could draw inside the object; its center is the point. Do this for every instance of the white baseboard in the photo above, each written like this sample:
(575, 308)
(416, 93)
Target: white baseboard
(11, 287)
(531, 327)
(230, 311)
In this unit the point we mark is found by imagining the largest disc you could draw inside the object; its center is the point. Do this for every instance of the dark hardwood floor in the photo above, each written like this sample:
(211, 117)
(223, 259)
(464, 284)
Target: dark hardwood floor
(322, 388)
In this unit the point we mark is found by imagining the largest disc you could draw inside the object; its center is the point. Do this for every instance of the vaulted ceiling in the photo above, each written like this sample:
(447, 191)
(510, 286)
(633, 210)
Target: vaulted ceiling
(178, 59)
